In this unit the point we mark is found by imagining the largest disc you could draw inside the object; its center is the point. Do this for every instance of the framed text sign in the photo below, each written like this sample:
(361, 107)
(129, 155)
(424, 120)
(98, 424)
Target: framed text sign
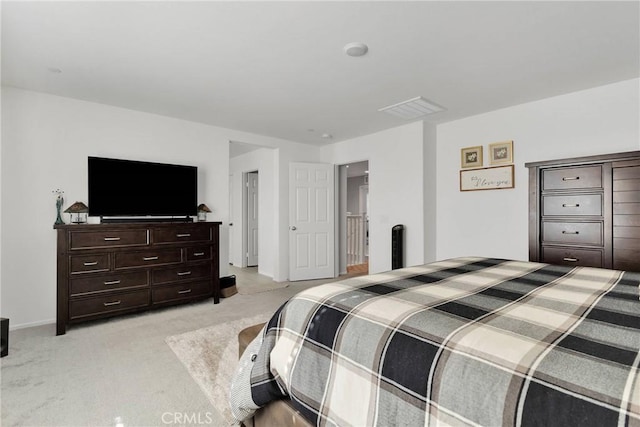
(495, 178)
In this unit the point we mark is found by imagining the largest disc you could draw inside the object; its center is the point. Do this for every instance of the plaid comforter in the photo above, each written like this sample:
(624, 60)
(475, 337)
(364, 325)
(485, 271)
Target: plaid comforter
(467, 341)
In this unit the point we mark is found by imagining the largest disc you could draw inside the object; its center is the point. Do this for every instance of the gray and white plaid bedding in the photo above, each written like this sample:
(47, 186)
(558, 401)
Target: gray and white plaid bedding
(467, 341)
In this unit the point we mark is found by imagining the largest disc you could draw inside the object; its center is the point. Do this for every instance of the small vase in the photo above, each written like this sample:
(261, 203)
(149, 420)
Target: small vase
(59, 201)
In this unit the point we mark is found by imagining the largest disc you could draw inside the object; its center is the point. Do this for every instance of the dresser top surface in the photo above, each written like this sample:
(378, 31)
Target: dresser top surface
(629, 155)
(132, 225)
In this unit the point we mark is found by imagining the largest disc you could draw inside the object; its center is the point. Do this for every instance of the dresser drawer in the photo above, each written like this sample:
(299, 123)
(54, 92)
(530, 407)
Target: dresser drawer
(147, 258)
(107, 282)
(181, 234)
(572, 256)
(175, 274)
(83, 307)
(199, 253)
(89, 263)
(572, 178)
(586, 233)
(584, 204)
(107, 239)
(162, 294)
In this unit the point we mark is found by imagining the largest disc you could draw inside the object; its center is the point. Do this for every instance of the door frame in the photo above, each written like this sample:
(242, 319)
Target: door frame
(247, 222)
(245, 216)
(231, 229)
(341, 214)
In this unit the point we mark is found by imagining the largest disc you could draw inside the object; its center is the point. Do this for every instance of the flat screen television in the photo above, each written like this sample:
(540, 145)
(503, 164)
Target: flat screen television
(121, 188)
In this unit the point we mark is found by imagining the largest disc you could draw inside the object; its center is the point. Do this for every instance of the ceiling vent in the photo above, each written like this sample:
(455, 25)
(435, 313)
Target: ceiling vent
(412, 108)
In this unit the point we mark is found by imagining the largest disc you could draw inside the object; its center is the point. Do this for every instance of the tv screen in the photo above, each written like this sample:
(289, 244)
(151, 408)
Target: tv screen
(132, 188)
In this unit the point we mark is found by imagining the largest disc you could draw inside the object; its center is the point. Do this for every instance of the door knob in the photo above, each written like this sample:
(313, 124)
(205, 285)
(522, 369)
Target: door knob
(293, 228)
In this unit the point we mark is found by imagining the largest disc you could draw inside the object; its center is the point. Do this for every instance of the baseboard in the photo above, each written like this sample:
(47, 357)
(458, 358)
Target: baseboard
(13, 327)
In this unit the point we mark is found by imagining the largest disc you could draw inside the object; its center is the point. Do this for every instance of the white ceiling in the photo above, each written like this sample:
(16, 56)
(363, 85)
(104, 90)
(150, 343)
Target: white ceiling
(278, 69)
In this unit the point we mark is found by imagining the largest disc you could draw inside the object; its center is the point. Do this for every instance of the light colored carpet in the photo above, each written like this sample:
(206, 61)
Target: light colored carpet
(249, 281)
(249, 288)
(211, 357)
(118, 368)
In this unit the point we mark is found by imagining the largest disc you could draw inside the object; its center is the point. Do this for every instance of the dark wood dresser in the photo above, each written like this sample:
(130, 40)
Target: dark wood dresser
(586, 211)
(110, 269)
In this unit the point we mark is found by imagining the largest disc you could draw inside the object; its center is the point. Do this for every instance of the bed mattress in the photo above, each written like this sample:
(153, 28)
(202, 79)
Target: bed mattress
(466, 341)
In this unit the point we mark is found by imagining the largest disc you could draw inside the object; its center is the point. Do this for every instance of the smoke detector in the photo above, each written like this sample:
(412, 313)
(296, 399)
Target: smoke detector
(356, 49)
(412, 108)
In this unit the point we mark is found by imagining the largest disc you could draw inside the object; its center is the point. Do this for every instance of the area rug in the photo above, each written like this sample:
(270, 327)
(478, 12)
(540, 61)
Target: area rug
(211, 357)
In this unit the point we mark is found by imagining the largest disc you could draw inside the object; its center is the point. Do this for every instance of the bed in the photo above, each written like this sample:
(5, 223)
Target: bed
(466, 341)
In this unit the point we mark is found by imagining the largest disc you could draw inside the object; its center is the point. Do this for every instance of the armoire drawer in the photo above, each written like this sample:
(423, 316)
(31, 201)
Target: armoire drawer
(572, 256)
(584, 233)
(570, 205)
(572, 178)
(83, 307)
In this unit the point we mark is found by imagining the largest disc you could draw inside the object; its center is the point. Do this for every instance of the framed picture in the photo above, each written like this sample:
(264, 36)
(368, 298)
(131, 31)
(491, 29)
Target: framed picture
(471, 157)
(501, 153)
(495, 178)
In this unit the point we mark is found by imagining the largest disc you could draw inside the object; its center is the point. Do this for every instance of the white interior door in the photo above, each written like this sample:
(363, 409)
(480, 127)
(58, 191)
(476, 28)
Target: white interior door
(252, 219)
(311, 221)
(231, 234)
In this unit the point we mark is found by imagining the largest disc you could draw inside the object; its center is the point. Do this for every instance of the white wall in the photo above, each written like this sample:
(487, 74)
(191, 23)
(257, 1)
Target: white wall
(494, 223)
(45, 143)
(395, 188)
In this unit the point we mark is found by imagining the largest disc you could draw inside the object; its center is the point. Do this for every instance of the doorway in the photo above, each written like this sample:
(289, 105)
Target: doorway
(354, 218)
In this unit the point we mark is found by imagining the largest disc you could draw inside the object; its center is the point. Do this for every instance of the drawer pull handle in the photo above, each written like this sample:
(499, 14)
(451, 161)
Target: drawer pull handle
(89, 264)
(184, 235)
(150, 258)
(111, 239)
(184, 273)
(570, 178)
(565, 205)
(570, 232)
(571, 259)
(186, 291)
(198, 254)
(108, 304)
(113, 282)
